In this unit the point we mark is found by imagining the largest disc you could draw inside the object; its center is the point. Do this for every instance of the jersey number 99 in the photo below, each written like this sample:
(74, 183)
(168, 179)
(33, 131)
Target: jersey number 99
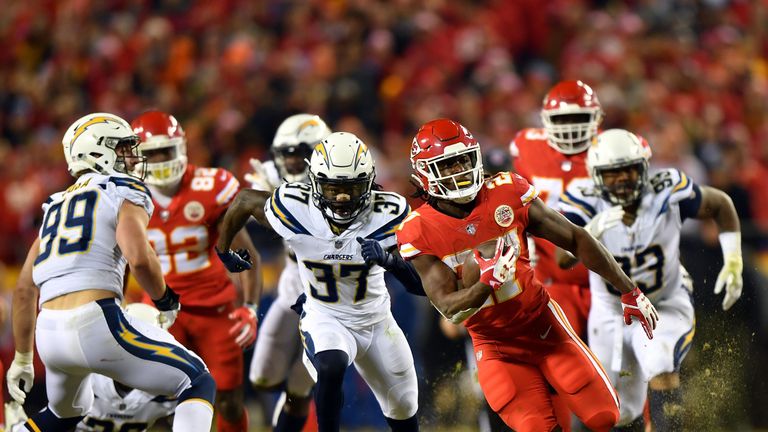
(75, 234)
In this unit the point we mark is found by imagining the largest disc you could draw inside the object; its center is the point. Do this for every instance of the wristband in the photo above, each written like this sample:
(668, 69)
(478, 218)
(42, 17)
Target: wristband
(730, 243)
(23, 358)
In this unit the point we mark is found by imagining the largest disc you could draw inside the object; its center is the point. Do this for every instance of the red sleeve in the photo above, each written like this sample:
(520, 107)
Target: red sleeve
(517, 149)
(225, 189)
(411, 241)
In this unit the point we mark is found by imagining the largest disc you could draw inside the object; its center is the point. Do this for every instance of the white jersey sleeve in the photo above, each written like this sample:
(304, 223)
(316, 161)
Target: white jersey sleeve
(131, 189)
(289, 203)
(391, 209)
(580, 202)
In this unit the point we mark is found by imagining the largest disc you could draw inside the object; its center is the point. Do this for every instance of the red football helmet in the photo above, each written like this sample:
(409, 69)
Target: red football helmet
(571, 115)
(447, 161)
(164, 144)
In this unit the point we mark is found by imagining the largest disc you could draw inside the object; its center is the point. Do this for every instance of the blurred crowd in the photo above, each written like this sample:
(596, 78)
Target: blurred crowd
(689, 75)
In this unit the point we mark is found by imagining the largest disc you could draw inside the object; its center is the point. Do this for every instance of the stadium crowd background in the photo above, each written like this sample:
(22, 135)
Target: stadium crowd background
(691, 76)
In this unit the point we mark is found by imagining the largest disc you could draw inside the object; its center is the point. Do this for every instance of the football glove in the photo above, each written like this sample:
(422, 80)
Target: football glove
(14, 415)
(635, 304)
(21, 370)
(730, 279)
(235, 261)
(258, 178)
(497, 270)
(604, 220)
(169, 307)
(246, 324)
(373, 253)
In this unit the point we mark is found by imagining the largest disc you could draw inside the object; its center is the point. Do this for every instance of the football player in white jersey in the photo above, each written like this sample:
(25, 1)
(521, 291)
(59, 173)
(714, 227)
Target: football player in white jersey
(76, 268)
(277, 355)
(346, 318)
(637, 215)
(115, 407)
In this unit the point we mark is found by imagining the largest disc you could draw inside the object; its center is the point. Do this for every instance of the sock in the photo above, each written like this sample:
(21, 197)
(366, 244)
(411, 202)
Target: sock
(407, 425)
(193, 415)
(224, 425)
(289, 423)
(637, 425)
(667, 409)
(329, 397)
(46, 420)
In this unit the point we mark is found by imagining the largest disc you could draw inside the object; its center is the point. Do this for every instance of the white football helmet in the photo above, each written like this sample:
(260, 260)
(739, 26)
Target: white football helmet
(144, 312)
(341, 172)
(617, 149)
(297, 135)
(101, 143)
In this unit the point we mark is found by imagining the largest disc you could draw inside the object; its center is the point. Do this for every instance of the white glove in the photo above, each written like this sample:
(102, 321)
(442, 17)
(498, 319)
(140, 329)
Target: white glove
(14, 416)
(604, 220)
(166, 318)
(258, 178)
(730, 279)
(21, 369)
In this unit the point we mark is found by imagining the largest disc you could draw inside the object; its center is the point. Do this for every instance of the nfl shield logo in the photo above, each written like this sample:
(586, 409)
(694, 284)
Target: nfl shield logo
(471, 229)
(338, 244)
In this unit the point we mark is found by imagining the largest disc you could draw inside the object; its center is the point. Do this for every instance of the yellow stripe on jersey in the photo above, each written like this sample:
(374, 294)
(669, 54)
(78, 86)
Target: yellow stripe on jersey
(530, 195)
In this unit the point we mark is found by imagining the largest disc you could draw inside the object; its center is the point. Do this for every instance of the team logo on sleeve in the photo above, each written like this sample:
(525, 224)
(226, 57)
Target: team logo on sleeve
(504, 215)
(194, 211)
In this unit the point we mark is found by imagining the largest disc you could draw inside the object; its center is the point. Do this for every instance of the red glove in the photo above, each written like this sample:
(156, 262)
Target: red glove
(635, 304)
(246, 324)
(497, 270)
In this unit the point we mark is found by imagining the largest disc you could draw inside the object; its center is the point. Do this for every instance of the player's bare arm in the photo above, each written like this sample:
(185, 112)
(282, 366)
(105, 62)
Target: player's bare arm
(551, 225)
(247, 203)
(441, 286)
(717, 205)
(131, 234)
(24, 309)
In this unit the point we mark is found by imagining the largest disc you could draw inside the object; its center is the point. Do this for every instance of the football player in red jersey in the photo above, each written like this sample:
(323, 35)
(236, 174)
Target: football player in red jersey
(551, 158)
(190, 201)
(522, 340)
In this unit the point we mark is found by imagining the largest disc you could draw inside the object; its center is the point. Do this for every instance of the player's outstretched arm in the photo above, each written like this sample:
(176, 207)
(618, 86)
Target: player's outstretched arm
(717, 205)
(441, 286)
(24, 313)
(247, 203)
(550, 225)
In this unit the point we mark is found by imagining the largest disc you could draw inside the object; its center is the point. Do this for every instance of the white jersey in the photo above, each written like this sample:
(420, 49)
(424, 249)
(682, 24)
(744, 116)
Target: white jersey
(649, 250)
(134, 412)
(78, 246)
(333, 273)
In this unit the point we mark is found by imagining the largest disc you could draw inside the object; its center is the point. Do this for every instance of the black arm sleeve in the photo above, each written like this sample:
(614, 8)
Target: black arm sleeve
(405, 273)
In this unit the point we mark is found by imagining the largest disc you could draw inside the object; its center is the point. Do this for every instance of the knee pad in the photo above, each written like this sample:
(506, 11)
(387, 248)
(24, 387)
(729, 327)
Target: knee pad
(402, 402)
(203, 387)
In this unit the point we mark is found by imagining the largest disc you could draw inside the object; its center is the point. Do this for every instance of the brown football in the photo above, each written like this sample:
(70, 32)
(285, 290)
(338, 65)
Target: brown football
(470, 271)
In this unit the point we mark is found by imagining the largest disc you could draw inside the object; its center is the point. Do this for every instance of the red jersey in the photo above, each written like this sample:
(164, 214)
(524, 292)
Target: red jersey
(184, 235)
(550, 172)
(501, 209)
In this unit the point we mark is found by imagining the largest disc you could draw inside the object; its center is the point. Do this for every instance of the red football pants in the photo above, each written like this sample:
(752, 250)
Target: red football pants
(575, 301)
(515, 376)
(205, 331)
